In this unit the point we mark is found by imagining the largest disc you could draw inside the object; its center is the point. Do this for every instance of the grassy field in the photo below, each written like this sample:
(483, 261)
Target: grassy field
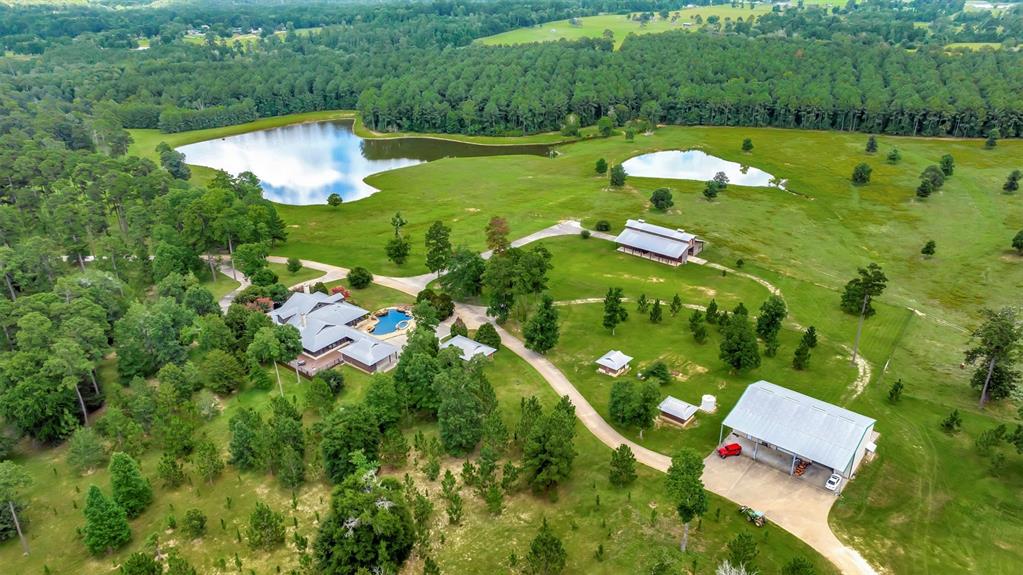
(632, 524)
(289, 279)
(620, 25)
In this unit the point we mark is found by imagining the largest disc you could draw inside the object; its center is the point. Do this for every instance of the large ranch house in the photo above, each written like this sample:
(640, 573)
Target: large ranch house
(657, 243)
(331, 336)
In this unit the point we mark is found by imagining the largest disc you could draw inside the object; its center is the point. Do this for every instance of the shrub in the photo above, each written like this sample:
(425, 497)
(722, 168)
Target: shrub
(195, 523)
(585, 234)
(603, 226)
(360, 278)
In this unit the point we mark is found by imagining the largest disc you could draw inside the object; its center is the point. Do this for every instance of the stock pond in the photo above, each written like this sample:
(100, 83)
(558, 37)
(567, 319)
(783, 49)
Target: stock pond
(305, 163)
(694, 165)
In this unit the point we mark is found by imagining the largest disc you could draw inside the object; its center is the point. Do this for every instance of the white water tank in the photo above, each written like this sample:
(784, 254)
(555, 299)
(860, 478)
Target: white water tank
(708, 404)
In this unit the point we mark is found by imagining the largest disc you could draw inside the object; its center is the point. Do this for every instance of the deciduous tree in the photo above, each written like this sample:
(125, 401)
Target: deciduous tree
(685, 489)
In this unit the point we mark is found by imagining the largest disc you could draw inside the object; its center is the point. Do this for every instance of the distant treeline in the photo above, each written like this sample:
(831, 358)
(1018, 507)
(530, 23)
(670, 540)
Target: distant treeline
(417, 70)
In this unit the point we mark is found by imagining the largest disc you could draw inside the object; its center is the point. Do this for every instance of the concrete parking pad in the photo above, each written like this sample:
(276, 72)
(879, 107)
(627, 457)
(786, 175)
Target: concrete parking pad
(799, 507)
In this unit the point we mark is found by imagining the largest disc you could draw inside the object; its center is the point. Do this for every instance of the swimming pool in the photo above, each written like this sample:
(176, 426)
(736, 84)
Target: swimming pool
(393, 320)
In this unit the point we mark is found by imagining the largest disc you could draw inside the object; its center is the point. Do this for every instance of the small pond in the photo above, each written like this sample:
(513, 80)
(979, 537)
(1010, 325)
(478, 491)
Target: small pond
(303, 164)
(391, 321)
(694, 165)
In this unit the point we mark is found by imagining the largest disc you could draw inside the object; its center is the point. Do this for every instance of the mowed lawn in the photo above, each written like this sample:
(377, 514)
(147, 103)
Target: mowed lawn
(633, 525)
(621, 25)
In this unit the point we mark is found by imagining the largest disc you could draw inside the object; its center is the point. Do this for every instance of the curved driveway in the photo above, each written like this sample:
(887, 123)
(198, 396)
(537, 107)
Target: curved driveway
(797, 507)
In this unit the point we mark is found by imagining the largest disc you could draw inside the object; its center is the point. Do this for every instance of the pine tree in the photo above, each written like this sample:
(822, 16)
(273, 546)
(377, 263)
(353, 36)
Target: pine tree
(747, 145)
(801, 359)
(541, 331)
(929, 248)
(207, 460)
(739, 344)
(656, 313)
(601, 166)
(623, 466)
(642, 304)
(549, 452)
(871, 145)
(697, 326)
(170, 471)
(712, 311)
(141, 563)
(618, 176)
(106, 524)
(742, 550)
(266, 528)
(810, 337)
(676, 305)
(546, 554)
(129, 489)
(895, 393)
(614, 311)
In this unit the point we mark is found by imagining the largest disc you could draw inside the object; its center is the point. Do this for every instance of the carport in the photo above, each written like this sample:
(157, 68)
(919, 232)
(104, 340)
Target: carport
(792, 426)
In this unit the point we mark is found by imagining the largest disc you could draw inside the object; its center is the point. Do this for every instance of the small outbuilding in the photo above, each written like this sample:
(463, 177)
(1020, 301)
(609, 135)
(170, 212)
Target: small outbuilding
(801, 428)
(469, 348)
(677, 412)
(613, 363)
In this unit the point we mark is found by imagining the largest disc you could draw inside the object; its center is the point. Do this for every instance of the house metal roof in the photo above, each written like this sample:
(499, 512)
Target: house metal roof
(655, 239)
(470, 348)
(614, 360)
(369, 350)
(323, 321)
(677, 408)
(800, 424)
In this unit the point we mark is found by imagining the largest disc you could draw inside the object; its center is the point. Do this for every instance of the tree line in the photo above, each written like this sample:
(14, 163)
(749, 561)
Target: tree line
(432, 81)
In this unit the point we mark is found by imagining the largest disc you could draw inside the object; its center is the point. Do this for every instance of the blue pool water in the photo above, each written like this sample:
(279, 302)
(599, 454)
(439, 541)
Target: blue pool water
(388, 323)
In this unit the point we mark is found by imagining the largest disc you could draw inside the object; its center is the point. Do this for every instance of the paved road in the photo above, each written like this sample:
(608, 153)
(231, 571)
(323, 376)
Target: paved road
(799, 509)
(228, 299)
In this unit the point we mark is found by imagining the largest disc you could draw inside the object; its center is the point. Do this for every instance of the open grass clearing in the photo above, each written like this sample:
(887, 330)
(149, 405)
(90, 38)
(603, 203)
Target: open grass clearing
(289, 279)
(621, 25)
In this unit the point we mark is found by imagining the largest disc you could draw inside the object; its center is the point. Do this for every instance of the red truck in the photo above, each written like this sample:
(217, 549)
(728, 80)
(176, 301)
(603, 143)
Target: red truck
(729, 450)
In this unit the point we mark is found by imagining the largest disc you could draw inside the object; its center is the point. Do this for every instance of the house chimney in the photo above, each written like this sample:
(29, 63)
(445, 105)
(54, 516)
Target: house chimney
(301, 319)
(641, 221)
(305, 288)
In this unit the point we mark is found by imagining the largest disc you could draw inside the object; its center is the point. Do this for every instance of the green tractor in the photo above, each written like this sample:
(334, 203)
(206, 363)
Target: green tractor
(753, 516)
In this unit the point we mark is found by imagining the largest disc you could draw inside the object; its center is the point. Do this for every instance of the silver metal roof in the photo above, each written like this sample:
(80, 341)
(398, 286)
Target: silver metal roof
(614, 360)
(677, 408)
(470, 348)
(656, 239)
(808, 427)
(323, 321)
(369, 351)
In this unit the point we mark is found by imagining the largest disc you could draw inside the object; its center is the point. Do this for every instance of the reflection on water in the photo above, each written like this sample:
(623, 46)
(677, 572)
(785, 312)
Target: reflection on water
(694, 165)
(305, 163)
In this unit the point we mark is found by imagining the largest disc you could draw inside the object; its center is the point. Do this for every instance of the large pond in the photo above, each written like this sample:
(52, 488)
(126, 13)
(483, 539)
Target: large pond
(305, 163)
(694, 165)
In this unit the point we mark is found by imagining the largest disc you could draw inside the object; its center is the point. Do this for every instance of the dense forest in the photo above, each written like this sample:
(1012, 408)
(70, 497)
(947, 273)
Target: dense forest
(415, 68)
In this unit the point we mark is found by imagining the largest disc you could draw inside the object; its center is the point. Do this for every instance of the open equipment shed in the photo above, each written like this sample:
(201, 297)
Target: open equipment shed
(801, 427)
